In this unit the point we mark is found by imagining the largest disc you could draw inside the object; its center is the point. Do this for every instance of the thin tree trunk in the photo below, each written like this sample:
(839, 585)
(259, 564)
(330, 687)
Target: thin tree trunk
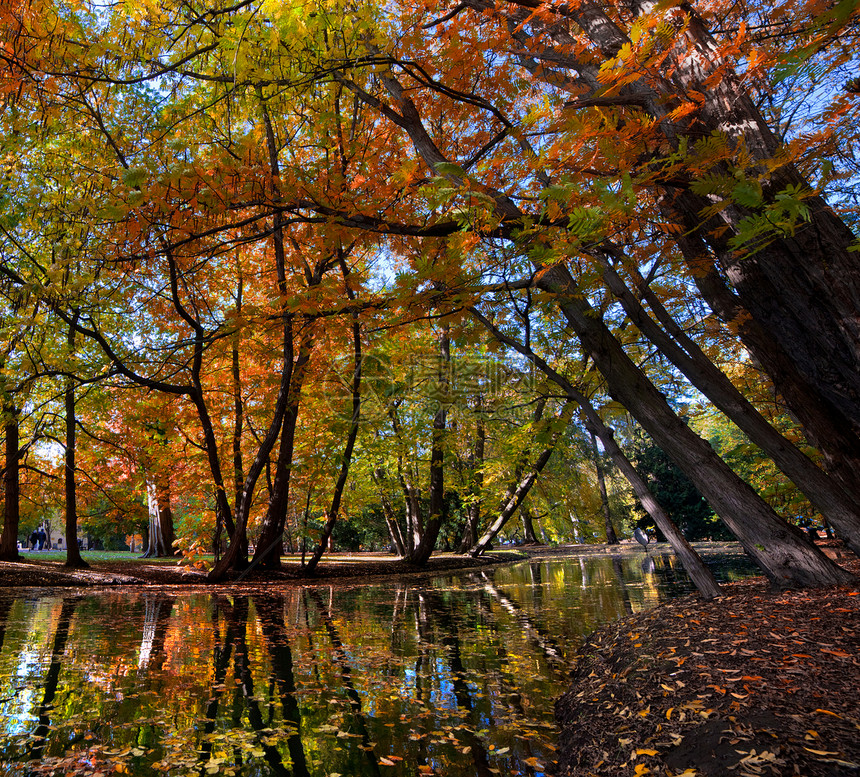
(334, 509)
(236, 555)
(268, 551)
(521, 489)
(73, 552)
(699, 573)
(394, 531)
(238, 410)
(476, 481)
(436, 509)
(611, 537)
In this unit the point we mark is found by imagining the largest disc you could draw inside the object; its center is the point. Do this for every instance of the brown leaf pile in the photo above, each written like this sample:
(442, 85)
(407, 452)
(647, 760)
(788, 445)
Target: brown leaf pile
(755, 683)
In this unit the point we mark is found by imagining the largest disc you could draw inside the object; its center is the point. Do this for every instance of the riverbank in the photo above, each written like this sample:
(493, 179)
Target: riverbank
(755, 683)
(40, 570)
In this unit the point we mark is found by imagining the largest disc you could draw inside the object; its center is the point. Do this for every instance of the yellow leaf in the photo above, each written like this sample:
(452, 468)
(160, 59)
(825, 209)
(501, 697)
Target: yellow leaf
(646, 751)
(641, 769)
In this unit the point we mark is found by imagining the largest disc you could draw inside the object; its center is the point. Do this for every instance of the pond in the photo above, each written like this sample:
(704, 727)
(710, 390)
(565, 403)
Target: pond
(452, 676)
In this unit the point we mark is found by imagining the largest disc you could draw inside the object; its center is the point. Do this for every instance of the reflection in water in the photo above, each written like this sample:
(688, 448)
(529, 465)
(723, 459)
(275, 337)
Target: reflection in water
(455, 676)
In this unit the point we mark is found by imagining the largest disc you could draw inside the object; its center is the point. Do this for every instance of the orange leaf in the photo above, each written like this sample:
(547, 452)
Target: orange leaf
(838, 653)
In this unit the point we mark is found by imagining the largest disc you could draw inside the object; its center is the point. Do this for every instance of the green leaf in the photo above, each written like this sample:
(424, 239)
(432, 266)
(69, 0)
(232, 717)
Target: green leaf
(449, 168)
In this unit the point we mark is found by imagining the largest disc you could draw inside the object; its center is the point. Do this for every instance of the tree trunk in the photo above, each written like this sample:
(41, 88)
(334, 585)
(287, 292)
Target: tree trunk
(824, 428)
(268, 551)
(161, 531)
(699, 573)
(611, 537)
(238, 412)
(236, 555)
(784, 554)
(825, 495)
(801, 287)
(520, 489)
(73, 552)
(529, 535)
(476, 482)
(436, 509)
(334, 509)
(11, 489)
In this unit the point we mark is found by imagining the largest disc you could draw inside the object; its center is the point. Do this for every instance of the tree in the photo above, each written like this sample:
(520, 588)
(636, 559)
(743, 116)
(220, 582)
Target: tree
(679, 497)
(598, 145)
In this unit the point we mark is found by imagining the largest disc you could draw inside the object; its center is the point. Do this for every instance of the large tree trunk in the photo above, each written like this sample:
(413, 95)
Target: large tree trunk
(822, 425)
(783, 553)
(797, 292)
(825, 494)
(11, 488)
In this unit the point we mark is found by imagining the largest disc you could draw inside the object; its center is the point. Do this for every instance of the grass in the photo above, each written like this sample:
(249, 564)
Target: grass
(97, 556)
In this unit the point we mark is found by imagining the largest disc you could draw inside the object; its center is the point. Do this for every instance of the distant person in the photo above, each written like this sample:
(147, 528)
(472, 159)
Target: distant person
(42, 539)
(34, 540)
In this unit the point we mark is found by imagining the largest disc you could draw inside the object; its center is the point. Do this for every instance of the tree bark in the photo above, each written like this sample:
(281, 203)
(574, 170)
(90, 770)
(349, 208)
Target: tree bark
(11, 488)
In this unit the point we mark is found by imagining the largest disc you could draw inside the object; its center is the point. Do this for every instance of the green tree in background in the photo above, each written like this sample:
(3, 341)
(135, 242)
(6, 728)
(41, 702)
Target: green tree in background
(676, 493)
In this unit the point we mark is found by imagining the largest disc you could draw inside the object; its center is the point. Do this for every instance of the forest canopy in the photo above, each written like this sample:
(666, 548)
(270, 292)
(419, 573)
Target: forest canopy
(274, 274)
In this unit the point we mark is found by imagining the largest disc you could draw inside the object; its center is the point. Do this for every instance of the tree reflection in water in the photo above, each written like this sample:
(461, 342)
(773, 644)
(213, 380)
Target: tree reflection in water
(454, 676)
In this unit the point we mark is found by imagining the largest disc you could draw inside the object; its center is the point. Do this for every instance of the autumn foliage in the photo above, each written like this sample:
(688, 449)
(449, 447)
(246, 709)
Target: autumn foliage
(304, 241)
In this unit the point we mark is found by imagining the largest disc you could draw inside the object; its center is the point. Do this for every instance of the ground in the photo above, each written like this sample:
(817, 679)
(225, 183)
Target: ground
(46, 570)
(756, 683)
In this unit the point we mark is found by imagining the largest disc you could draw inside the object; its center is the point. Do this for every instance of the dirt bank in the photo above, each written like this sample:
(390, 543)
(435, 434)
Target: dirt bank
(756, 683)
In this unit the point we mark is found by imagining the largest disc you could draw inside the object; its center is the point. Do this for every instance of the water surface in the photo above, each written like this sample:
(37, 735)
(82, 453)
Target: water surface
(454, 676)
